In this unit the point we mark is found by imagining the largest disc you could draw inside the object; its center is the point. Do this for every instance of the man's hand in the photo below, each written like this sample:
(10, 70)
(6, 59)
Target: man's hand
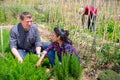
(20, 60)
(38, 50)
(16, 54)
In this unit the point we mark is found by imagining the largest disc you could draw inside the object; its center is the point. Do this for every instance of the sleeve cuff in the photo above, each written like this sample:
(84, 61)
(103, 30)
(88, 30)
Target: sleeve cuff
(13, 47)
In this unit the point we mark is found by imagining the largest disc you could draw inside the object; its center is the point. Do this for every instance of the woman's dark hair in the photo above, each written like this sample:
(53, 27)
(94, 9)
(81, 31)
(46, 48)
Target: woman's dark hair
(63, 34)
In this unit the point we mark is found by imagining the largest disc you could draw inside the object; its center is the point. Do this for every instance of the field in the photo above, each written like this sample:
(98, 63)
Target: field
(99, 50)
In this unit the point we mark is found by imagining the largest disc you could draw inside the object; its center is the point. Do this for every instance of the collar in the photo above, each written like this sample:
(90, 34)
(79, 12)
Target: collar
(23, 28)
(63, 44)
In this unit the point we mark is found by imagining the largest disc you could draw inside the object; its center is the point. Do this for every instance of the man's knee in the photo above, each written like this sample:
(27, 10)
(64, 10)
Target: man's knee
(45, 45)
(22, 53)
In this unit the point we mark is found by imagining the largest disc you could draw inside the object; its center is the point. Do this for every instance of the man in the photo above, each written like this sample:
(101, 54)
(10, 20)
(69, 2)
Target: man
(91, 12)
(24, 37)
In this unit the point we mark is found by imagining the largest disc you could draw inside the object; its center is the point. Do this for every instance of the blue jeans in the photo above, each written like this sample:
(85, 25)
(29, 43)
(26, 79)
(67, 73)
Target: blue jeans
(23, 52)
(51, 57)
(45, 45)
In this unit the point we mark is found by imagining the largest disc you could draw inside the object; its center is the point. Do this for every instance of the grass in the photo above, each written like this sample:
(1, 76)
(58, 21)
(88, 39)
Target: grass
(12, 70)
(4, 42)
(108, 75)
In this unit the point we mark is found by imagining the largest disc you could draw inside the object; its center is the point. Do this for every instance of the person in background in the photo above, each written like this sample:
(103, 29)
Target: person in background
(25, 38)
(91, 12)
(60, 45)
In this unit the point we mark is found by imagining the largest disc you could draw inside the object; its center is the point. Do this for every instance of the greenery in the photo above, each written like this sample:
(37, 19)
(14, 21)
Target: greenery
(10, 12)
(108, 75)
(4, 43)
(110, 53)
(112, 30)
(68, 69)
(11, 69)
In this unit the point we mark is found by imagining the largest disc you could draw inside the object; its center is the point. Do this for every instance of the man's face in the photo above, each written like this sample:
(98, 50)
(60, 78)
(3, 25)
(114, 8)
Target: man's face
(26, 22)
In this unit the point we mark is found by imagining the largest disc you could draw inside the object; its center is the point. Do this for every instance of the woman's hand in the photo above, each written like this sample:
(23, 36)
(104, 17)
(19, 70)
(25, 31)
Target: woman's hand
(40, 59)
(37, 64)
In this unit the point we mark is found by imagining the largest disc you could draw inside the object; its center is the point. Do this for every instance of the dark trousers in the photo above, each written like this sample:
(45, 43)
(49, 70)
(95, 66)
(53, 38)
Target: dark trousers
(91, 22)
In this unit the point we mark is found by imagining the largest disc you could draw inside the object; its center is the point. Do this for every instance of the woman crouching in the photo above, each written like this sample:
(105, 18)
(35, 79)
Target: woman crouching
(61, 44)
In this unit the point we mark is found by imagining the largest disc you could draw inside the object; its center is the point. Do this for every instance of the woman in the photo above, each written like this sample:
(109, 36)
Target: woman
(61, 44)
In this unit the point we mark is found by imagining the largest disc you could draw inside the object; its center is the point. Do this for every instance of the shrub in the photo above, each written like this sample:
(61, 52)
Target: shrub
(10, 69)
(110, 29)
(109, 51)
(70, 68)
(108, 75)
(109, 54)
(4, 44)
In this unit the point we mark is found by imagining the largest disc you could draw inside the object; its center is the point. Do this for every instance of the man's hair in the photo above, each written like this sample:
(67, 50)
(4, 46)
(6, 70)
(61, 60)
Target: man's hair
(23, 14)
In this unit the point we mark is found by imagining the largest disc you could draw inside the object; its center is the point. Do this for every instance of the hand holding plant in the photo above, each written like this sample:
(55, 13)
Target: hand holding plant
(20, 60)
(40, 59)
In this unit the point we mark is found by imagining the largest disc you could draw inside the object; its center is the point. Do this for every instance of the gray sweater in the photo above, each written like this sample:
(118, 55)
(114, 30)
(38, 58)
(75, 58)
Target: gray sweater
(26, 40)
